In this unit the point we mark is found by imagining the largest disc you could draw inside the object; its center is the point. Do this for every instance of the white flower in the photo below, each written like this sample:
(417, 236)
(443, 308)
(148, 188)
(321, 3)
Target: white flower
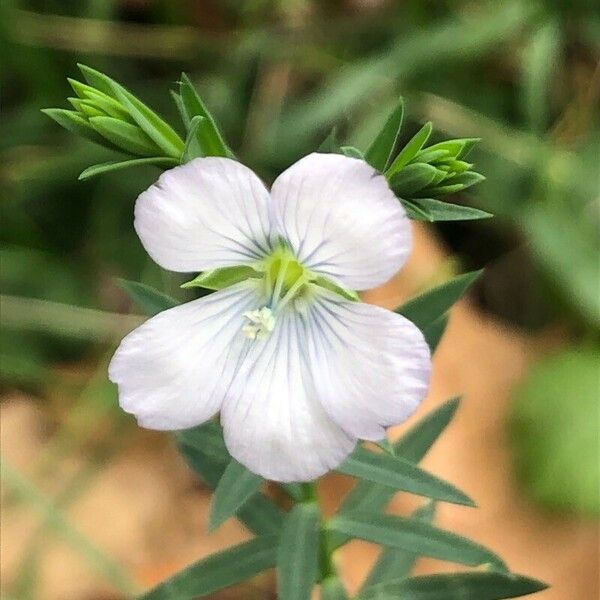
(298, 372)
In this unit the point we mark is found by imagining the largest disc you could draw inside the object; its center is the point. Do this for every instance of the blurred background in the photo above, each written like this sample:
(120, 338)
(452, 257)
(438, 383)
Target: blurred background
(94, 508)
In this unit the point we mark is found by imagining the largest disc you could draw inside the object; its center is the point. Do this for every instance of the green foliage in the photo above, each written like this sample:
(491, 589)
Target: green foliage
(400, 474)
(218, 571)
(381, 151)
(151, 301)
(459, 586)
(217, 279)
(415, 536)
(557, 446)
(298, 554)
(236, 486)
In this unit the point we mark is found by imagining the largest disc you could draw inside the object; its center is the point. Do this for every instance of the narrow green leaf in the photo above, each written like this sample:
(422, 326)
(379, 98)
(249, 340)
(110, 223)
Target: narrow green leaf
(434, 332)
(457, 586)
(260, 514)
(416, 442)
(150, 300)
(381, 151)
(394, 564)
(193, 148)
(202, 140)
(109, 105)
(458, 148)
(330, 144)
(352, 152)
(86, 108)
(330, 285)
(454, 184)
(208, 438)
(75, 123)
(81, 89)
(399, 474)
(333, 589)
(440, 190)
(412, 178)
(218, 279)
(213, 142)
(162, 134)
(436, 210)
(410, 150)
(429, 156)
(431, 305)
(297, 559)
(180, 108)
(413, 211)
(412, 446)
(124, 135)
(235, 487)
(218, 571)
(117, 165)
(415, 536)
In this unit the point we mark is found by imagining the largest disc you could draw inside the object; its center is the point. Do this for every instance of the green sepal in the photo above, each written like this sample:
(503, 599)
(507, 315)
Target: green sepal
(352, 152)
(125, 136)
(415, 536)
(218, 571)
(430, 156)
(75, 123)
(330, 285)
(298, 553)
(330, 144)
(117, 165)
(213, 143)
(410, 150)
(475, 585)
(380, 152)
(412, 178)
(432, 210)
(236, 486)
(149, 299)
(218, 279)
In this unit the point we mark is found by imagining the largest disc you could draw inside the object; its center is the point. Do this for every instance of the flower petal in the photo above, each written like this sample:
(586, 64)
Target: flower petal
(211, 212)
(342, 219)
(371, 366)
(272, 420)
(173, 370)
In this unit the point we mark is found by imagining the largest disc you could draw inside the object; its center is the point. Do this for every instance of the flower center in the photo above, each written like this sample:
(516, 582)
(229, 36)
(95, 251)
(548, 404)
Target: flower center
(285, 278)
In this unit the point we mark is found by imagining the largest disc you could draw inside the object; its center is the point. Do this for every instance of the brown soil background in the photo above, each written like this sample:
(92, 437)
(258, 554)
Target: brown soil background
(146, 510)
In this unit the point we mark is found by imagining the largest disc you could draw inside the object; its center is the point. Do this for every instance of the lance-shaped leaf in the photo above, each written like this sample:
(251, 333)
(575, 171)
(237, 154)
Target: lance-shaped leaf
(235, 487)
(412, 446)
(213, 143)
(410, 150)
(412, 178)
(352, 152)
(162, 134)
(454, 184)
(75, 123)
(260, 514)
(435, 331)
(118, 165)
(333, 589)
(217, 279)
(413, 211)
(456, 586)
(415, 536)
(394, 564)
(429, 209)
(124, 135)
(431, 305)
(297, 559)
(218, 571)
(330, 144)
(149, 299)
(332, 286)
(208, 439)
(381, 151)
(399, 474)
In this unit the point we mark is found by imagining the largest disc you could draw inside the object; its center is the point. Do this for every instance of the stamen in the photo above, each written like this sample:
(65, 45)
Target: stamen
(262, 322)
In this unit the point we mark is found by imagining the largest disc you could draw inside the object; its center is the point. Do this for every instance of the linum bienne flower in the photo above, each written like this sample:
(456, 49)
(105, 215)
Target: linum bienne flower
(297, 366)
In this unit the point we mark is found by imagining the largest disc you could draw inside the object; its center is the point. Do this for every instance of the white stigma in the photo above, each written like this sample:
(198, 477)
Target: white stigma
(262, 322)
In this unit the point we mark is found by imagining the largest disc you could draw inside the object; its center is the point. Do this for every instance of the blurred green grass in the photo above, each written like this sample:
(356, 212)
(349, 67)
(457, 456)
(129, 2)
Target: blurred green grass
(521, 75)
